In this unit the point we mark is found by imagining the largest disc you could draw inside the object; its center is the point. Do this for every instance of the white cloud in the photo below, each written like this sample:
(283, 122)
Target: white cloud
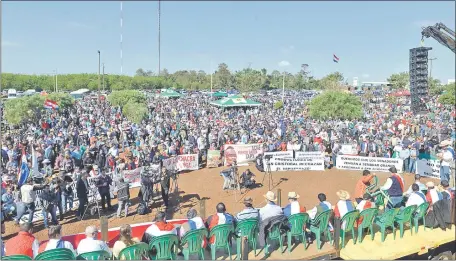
(365, 75)
(9, 44)
(284, 63)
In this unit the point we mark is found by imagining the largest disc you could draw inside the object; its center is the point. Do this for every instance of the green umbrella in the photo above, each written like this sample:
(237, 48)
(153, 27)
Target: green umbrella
(169, 93)
(235, 102)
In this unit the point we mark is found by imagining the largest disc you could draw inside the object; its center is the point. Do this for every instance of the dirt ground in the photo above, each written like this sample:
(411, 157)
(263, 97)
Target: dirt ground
(207, 184)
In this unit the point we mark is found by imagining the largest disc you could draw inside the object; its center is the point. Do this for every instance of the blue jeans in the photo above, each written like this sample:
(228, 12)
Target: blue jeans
(67, 200)
(25, 207)
(394, 202)
(405, 165)
(334, 158)
(412, 165)
(53, 216)
(445, 173)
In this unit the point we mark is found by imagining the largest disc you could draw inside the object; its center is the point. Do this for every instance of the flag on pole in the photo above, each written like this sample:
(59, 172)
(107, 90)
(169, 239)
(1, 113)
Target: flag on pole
(24, 171)
(50, 104)
(335, 58)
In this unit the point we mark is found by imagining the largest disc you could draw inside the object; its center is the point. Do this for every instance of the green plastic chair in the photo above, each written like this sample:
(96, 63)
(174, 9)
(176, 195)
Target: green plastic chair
(15, 257)
(420, 213)
(349, 219)
(165, 246)
(246, 228)
(223, 234)
(134, 252)
(56, 254)
(387, 220)
(193, 242)
(405, 216)
(368, 216)
(298, 223)
(94, 255)
(274, 235)
(319, 226)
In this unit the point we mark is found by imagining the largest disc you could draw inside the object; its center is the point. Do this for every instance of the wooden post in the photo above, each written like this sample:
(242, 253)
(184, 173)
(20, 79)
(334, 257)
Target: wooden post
(202, 208)
(337, 227)
(245, 249)
(104, 228)
(279, 197)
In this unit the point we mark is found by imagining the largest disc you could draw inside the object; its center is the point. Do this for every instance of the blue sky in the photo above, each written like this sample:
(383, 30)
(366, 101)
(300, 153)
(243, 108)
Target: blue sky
(372, 39)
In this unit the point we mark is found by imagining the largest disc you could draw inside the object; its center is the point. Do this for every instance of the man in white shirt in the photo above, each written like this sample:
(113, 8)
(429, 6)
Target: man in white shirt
(417, 197)
(28, 197)
(446, 158)
(421, 186)
(271, 209)
(55, 241)
(91, 243)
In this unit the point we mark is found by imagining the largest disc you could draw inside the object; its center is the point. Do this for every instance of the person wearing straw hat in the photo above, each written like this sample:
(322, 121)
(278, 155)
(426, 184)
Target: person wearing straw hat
(249, 211)
(344, 205)
(271, 209)
(446, 157)
(433, 195)
(293, 207)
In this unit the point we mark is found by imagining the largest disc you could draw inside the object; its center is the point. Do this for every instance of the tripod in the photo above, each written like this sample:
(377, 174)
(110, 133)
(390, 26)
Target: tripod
(93, 201)
(267, 172)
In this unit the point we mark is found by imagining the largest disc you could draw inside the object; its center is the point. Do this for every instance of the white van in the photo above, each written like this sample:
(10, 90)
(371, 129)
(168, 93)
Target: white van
(12, 94)
(29, 92)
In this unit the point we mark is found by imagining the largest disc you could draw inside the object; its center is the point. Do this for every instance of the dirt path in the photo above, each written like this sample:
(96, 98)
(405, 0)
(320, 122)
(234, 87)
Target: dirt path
(207, 183)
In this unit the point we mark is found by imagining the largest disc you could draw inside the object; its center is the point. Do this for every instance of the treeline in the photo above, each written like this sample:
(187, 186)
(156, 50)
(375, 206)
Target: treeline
(245, 80)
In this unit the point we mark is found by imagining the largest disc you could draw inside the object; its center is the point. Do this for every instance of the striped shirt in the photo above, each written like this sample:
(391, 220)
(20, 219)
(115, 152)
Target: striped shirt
(248, 213)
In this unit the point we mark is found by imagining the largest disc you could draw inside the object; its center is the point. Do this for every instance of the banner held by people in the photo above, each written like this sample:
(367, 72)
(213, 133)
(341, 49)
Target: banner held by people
(294, 164)
(367, 163)
(241, 153)
(428, 168)
(182, 162)
(213, 158)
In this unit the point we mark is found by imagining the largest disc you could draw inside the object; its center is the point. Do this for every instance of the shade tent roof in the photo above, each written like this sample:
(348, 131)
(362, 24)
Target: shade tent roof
(235, 102)
(169, 93)
(220, 94)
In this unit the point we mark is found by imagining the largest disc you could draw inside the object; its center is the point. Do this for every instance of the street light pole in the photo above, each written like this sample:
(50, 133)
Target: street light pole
(283, 86)
(103, 78)
(99, 63)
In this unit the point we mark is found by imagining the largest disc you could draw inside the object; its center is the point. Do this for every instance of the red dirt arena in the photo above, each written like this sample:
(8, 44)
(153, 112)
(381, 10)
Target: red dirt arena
(207, 184)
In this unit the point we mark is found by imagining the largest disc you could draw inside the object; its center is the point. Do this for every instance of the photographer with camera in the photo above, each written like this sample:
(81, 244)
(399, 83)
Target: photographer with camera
(103, 182)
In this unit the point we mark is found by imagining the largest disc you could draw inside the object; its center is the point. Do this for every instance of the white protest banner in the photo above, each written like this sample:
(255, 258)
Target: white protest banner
(348, 149)
(303, 163)
(429, 168)
(182, 162)
(309, 154)
(367, 163)
(279, 154)
(133, 177)
(241, 153)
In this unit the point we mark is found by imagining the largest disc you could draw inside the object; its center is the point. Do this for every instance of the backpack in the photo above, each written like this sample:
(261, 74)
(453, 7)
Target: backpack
(142, 209)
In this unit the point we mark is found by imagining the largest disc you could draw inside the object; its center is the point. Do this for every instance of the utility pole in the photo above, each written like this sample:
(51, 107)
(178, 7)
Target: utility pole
(103, 78)
(159, 53)
(283, 86)
(99, 63)
(55, 75)
(211, 79)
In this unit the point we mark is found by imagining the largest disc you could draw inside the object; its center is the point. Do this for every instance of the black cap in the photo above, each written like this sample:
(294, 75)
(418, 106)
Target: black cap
(445, 183)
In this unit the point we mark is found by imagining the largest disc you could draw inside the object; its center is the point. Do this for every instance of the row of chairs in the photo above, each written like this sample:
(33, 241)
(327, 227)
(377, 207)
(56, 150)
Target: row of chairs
(166, 246)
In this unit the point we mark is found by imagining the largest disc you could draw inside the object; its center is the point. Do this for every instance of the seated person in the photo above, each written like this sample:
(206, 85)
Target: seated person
(343, 206)
(433, 195)
(364, 204)
(91, 243)
(247, 179)
(194, 222)
(271, 209)
(159, 228)
(125, 240)
(321, 207)
(8, 204)
(421, 186)
(220, 218)
(249, 211)
(447, 192)
(24, 243)
(293, 207)
(417, 197)
(55, 241)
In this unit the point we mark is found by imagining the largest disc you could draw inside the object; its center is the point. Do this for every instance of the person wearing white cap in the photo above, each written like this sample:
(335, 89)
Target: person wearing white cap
(433, 195)
(91, 243)
(271, 209)
(446, 159)
(293, 207)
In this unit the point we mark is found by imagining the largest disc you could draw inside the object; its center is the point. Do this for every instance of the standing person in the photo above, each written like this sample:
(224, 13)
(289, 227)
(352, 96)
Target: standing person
(394, 185)
(28, 196)
(165, 186)
(413, 157)
(24, 243)
(82, 190)
(404, 154)
(123, 196)
(446, 158)
(362, 185)
(103, 183)
(49, 201)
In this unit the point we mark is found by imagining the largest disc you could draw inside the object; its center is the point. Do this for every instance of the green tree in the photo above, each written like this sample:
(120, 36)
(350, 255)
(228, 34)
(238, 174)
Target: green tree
(399, 80)
(335, 105)
(435, 87)
(135, 112)
(121, 98)
(448, 97)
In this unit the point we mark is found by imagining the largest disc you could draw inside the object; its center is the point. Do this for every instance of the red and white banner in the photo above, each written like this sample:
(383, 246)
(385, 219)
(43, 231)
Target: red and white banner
(50, 104)
(241, 153)
(182, 162)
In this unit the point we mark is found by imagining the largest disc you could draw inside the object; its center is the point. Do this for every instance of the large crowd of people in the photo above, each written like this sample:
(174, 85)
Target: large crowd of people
(94, 138)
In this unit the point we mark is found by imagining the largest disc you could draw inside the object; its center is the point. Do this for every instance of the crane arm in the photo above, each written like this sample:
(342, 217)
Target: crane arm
(447, 40)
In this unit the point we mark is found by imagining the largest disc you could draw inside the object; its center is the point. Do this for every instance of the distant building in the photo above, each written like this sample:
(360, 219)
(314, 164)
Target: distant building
(355, 82)
(450, 81)
(374, 85)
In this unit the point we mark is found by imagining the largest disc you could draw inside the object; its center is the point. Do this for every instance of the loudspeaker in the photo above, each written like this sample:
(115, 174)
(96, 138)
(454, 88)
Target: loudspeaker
(419, 82)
